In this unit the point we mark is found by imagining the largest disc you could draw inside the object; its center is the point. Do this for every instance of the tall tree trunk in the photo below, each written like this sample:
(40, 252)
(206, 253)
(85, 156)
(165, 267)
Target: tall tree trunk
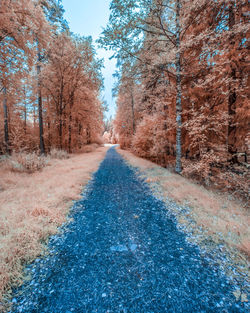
(60, 129)
(25, 119)
(6, 128)
(61, 113)
(232, 96)
(133, 111)
(64, 129)
(79, 133)
(49, 136)
(178, 167)
(40, 104)
(88, 134)
(49, 125)
(70, 128)
(34, 116)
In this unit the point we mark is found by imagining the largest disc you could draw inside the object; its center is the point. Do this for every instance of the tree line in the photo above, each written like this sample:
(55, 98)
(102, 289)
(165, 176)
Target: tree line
(50, 80)
(182, 81)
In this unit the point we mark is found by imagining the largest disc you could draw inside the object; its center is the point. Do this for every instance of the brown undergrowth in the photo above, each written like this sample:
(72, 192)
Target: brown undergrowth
(33, 205)
(232, 179)
(219, 215)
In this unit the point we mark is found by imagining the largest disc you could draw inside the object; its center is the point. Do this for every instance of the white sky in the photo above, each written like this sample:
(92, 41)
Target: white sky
(87, 18)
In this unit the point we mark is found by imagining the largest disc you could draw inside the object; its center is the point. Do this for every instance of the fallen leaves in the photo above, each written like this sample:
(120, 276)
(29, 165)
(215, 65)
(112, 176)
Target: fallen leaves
(240, 296)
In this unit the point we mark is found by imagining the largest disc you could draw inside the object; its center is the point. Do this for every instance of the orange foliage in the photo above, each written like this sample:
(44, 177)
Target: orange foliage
(50, 81)
(214, 86)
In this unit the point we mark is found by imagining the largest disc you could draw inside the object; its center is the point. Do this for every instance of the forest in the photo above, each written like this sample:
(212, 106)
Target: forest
(141, 210)
(50, 81)
(183, 86)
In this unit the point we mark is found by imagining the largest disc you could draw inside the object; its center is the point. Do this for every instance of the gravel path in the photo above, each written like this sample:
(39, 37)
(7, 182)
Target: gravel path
(121, 253)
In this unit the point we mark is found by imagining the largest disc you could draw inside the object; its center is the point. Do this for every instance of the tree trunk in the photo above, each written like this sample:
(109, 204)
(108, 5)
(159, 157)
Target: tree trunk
(88, 135)
(34, 116)
(70, 127)
(6, 128)
(61, 113)
(232, 97)
(60, 130)
(40, 104)
(49, 126)
(133, 111)
(25, 119)
(79, 125)
(49, 136)
(178, 167)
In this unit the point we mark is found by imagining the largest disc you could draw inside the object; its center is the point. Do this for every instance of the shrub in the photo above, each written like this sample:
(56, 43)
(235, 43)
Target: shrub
(98, 140)
(143, 140)
(89, 148)
(59, 154)
(125, 142)
(26, 162)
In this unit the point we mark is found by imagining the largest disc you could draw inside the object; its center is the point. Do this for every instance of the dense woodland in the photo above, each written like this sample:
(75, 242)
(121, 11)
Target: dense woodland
(182, 97)
(50, 80)
(183, 84)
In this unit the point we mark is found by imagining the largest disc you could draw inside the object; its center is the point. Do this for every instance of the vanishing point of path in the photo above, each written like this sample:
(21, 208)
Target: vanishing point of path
(121, 253)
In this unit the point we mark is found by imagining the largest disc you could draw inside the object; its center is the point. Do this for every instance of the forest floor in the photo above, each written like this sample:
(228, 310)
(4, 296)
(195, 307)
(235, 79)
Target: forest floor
(124, 250)
(32, 206)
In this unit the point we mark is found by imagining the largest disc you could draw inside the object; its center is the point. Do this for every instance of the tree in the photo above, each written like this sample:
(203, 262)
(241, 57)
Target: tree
(21, 23)
(72, 82)
(159, 21)
(190, 74)
(50, 80)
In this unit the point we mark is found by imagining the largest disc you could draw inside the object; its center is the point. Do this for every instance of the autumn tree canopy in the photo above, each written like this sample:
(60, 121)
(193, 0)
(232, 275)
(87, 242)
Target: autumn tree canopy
(185, 63)
(50, 80)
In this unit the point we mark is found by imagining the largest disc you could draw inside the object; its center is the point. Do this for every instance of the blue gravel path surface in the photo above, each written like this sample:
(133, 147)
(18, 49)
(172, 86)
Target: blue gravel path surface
(121, 253)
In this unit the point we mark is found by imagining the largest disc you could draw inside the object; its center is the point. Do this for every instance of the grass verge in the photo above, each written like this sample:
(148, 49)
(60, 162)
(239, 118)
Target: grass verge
(33, 205)
(211, 218)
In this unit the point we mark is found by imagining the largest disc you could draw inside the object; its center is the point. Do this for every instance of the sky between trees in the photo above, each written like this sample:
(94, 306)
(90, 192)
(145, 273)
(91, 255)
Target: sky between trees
(89, 18)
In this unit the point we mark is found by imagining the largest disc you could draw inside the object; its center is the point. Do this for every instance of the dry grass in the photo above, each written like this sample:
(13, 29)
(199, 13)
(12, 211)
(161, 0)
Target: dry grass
(25, 162)
(58, 154)
(32, 206)
(216, 213)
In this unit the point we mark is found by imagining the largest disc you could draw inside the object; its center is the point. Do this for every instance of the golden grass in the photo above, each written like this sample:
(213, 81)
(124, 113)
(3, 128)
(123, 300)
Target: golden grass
(25, 162)
(215, 212)
(32, 206)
